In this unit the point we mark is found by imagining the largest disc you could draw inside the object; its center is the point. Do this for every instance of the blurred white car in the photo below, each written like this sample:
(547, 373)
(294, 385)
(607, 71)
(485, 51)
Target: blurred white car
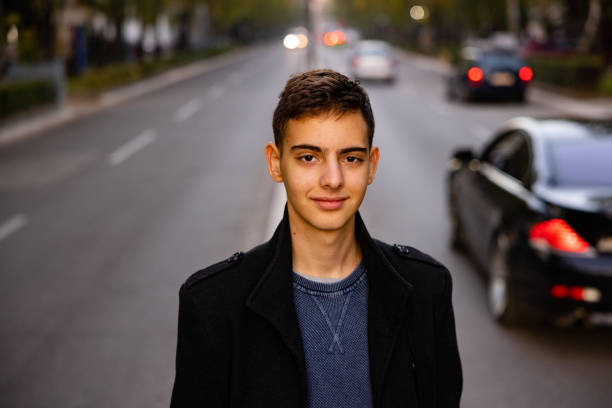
(373, 59)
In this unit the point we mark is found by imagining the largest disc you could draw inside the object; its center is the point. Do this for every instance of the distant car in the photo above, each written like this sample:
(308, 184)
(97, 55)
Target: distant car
(499, 74)
(373, 60)
(534, 209)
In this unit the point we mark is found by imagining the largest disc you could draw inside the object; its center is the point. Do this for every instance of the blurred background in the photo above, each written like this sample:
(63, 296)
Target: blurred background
(131, 155)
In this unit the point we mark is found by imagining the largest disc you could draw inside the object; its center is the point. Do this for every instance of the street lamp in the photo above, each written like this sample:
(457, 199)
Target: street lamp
(418, 13)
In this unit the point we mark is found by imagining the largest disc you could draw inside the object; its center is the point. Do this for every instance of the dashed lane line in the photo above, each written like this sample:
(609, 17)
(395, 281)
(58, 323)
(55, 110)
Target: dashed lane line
(187, 110)
(12, 225)
(133, 146)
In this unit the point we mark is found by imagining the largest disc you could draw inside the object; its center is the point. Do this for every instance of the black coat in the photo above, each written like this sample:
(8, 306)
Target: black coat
(239, 343)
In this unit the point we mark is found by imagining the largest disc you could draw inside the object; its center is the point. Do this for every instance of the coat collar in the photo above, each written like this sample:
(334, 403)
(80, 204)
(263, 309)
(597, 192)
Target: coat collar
(388, 292)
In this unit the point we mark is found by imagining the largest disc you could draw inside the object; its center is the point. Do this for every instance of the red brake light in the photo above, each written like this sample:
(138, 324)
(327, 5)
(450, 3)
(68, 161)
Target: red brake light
(557, 234)
(526, 74)
(475, 74)
(559, 291)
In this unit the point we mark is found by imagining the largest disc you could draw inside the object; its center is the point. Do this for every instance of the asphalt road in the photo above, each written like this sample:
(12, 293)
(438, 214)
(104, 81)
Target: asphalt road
(102, 218)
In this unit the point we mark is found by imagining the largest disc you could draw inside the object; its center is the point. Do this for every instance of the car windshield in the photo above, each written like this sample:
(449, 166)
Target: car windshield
(374, 51)
(373, 48)
(581, 163)
(500, 60)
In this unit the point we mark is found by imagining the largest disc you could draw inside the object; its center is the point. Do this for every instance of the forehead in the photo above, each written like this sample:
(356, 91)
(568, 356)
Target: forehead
(328, 130)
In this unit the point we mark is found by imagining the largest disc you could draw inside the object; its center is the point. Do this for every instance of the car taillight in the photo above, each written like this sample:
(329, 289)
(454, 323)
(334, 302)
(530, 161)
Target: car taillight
(475, 74)
(580, 293)
(557, 234)
(526, 74)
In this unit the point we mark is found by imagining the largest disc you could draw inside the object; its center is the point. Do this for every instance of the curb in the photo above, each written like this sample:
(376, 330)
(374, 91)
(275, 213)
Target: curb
(601, 109)
(28, 127)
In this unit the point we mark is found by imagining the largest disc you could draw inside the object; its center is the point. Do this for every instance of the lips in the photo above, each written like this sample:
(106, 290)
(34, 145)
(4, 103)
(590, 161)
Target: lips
(326, 203)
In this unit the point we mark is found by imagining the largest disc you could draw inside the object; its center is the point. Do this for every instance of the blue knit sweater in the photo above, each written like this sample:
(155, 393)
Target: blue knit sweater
(333, 319)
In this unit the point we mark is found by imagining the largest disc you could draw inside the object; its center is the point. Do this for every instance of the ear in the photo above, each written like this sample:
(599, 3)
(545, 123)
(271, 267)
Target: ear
(374, 156)
(273, 159)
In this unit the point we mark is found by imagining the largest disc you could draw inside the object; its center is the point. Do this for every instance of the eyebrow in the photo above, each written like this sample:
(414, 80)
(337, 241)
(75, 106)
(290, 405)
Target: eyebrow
(306, 147)
(318, 149)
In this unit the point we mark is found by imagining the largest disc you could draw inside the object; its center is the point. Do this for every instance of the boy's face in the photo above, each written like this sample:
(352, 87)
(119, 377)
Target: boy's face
(326, 166)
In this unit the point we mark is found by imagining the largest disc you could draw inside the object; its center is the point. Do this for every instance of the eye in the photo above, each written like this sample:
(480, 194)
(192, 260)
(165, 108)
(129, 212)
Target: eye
(353, 159)
(308, 158)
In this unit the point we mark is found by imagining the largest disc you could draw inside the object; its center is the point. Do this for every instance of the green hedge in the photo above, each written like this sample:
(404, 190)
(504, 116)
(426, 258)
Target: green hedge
(605, 85)
(110, 76)
(16, 96)
(96, 80)
(573, 71)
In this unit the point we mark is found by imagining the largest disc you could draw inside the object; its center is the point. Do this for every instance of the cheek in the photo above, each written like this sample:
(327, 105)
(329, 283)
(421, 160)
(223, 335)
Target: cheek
(299, 181)
(358, 179)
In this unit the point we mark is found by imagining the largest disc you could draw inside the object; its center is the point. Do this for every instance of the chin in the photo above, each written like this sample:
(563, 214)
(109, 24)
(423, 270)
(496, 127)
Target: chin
(330, 221)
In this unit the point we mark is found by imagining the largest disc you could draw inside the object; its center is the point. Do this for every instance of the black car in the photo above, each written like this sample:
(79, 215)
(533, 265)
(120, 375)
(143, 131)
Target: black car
(534, 209)
(500, 74)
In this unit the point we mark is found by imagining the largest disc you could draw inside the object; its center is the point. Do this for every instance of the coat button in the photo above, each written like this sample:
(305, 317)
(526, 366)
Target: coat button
(234, 257)
(402, 249)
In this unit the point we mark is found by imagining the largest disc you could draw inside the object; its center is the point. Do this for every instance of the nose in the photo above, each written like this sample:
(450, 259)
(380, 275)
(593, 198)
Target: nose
(332, 176)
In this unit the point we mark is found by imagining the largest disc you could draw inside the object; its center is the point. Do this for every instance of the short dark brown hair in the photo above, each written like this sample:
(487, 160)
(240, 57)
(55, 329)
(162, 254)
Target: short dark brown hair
(317, 92)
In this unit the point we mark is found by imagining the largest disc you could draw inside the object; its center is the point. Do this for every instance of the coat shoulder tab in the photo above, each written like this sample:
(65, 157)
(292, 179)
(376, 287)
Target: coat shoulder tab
(214, 269)
(414, 254)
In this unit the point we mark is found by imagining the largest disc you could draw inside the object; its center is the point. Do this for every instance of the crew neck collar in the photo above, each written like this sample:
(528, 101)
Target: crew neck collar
(310, 284)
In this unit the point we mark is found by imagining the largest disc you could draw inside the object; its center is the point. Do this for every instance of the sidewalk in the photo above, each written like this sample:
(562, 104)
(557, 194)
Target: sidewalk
(595, 108)
(26, 126)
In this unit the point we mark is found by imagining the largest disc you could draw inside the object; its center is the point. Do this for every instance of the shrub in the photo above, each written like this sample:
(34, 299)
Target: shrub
(15, 96)
(574, 71)
(110, 76)
(605, 84)
(121, 73)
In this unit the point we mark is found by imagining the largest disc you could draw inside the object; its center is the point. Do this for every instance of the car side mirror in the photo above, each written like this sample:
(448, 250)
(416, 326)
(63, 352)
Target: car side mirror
(461, 158)
(464, 155)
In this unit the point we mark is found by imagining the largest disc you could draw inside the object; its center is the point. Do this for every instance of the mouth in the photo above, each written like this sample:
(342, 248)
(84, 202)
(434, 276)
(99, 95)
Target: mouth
(330, 203)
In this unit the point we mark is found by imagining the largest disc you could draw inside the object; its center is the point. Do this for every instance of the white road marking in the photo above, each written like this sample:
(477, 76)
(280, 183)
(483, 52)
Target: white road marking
(215, 92)
(188, 110)
(481, 132)
(279, 197)
(131, 147)
(14, 224)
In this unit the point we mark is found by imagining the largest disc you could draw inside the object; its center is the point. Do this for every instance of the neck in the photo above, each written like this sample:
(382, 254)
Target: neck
(324, 254)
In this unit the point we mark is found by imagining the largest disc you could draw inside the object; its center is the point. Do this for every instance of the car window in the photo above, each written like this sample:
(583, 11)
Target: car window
(581, 163)
(512, 155)
(500, 60)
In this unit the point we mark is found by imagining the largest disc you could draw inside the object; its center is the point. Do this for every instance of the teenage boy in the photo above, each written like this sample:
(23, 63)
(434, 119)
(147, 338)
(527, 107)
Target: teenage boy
(322, 315)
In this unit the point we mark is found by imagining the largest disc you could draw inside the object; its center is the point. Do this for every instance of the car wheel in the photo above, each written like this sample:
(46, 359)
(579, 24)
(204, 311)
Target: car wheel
(502, 303)
(520, 97)
(463, 94)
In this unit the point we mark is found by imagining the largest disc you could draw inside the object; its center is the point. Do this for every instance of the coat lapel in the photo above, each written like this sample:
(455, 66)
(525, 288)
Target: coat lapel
(388, 295)
(272, 297)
